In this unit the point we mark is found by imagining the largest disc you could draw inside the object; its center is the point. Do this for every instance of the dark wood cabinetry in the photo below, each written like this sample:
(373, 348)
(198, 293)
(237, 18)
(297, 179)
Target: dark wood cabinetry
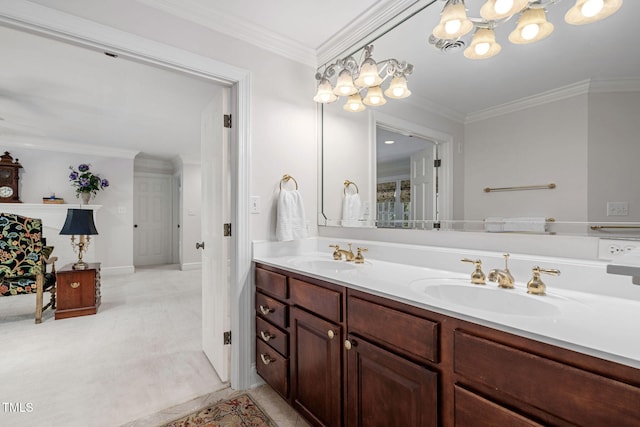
(78, 291)
(349, 358)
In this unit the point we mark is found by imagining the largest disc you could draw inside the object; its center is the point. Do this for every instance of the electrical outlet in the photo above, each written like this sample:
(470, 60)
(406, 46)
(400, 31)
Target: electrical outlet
(610, 248)
(617, 208)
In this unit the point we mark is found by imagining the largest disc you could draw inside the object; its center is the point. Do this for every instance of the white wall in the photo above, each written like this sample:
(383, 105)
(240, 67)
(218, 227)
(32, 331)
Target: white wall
(190, 217)
(45, 172)
(536, 146)
(614, 154)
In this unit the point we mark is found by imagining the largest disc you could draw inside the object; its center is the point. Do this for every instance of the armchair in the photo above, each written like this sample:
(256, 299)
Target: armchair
(24, 259)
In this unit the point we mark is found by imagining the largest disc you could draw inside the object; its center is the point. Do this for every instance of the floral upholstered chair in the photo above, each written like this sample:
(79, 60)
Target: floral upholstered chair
(23, 260)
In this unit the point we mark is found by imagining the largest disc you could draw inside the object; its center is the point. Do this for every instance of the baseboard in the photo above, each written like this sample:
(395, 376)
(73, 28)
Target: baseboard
(115, 271)
(191, 266)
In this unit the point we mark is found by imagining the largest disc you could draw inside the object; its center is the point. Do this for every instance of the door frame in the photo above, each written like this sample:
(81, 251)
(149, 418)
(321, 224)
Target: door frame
(55, 24)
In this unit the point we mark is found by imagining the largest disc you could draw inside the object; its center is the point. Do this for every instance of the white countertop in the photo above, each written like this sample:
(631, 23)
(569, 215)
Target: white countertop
(597, 324)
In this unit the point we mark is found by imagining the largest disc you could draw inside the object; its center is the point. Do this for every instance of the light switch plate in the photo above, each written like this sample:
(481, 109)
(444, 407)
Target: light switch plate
(254, 203)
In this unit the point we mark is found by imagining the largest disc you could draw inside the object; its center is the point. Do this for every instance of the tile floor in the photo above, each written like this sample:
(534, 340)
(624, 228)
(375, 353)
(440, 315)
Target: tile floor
(138, 362)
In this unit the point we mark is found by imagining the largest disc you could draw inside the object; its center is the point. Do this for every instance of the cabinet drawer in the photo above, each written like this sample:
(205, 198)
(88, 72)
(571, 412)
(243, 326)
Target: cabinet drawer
(321, 301)
(469, 405)
(272, 283)
(273, 368)
(405, 333)
(274, 337)
(272, 310)
(572, 394)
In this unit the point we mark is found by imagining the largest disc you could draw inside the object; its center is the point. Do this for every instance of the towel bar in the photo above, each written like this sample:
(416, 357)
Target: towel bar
(526, 187)
(627, 227)
(347, 183)
(286, 178)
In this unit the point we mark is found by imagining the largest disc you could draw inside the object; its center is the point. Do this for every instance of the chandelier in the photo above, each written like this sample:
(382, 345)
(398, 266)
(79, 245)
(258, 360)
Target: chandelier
(532, 24)
(355, 80)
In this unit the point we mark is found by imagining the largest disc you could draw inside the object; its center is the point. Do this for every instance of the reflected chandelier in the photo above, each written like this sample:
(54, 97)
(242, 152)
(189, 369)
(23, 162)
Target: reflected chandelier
(353, 79)
(532, 22)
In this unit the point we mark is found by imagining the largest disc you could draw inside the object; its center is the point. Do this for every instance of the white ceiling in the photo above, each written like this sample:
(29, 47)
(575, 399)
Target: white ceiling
(51, 91)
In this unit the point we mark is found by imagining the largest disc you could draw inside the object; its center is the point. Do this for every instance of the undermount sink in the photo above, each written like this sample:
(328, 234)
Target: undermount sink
(486, 297)
(333, 266)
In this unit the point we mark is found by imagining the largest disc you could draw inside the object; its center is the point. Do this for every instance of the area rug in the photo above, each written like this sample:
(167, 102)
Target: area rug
(239, 411)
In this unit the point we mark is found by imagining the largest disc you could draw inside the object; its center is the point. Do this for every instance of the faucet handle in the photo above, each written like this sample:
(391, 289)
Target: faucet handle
(336, 252)
(536, 286)
(477, 277)
(359, 259)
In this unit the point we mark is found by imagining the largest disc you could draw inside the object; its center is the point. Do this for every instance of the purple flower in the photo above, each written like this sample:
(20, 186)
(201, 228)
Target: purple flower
(84, 182)
(83, 167)
(73, 176)
(104, 183)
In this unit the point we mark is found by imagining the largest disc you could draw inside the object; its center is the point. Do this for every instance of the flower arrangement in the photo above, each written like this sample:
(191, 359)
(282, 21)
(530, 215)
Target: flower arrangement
(86, 181)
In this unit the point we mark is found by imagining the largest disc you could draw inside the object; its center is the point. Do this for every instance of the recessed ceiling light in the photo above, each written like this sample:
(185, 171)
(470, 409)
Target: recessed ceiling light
(389, 142)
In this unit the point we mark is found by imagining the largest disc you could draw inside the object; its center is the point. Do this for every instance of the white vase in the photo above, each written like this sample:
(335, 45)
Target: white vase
(85, 197)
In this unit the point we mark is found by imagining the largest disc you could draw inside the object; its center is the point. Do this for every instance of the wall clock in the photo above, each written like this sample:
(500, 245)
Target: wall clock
(9, 192)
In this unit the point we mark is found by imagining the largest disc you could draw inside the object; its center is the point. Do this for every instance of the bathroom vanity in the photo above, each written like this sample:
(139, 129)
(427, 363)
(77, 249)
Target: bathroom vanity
(344, 354)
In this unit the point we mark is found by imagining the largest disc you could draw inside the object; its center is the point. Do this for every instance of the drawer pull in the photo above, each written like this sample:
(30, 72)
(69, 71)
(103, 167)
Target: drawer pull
(348, 344)
(266, 359)
(331, 334)
(266, 336)
(74, 285)
(265, 309)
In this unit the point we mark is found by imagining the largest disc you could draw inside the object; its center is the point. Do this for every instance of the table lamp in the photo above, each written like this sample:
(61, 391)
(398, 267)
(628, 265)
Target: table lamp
(79, 223)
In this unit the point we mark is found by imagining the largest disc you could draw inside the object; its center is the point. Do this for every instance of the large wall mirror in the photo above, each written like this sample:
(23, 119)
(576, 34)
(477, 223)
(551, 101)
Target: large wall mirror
(561, 115)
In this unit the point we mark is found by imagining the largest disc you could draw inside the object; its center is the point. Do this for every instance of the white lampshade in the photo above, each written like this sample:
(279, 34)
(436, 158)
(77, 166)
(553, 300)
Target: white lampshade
(369, 75)
(354, 104)
(588, 11)
(499, 9)
(532, 27)
(374, 97)
(454, 22)
(398, 88)
(325, 93)
(483, 45)
(344, 85)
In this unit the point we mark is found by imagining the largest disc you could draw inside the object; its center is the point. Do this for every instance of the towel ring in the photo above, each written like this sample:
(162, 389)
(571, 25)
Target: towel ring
(286, 178)
(347, 183)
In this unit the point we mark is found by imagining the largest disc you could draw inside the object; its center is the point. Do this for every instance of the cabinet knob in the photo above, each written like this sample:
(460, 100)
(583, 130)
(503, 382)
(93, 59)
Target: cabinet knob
(74, 285)
(266, 359)
(331, 334)
(265, 309)
(266, 336)
(348, 344)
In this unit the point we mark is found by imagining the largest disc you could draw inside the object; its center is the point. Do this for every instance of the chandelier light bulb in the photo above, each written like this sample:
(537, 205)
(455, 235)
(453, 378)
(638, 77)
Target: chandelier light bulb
(483, 45)
(532, 27)
(398, 88)
(503, 6)
(369, 75)
(588, 11)
(591, 8)
(325, 94)
(454, 22)
(344, 86)
(354, 104)
(374, 97)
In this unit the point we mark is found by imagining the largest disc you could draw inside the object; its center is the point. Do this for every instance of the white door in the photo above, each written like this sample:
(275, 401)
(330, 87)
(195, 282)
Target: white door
(422, 170)
(152, 208)
(216, 252)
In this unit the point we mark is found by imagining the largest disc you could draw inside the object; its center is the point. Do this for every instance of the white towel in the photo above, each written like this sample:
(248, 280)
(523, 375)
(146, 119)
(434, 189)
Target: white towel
(351, 210)
(529, 224)
(494, 224)
(290, 221)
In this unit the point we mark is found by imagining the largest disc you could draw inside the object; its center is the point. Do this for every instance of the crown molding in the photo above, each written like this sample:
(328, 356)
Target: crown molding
(564, 92)
(368, 26)
(48, 144)
(615, 85)
(237, 28)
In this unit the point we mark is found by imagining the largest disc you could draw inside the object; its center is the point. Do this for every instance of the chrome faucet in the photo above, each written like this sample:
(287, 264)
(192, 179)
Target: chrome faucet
(337, 253)
(502, 277)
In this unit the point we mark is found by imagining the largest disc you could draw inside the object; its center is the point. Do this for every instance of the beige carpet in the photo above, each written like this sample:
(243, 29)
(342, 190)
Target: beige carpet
(239, 411)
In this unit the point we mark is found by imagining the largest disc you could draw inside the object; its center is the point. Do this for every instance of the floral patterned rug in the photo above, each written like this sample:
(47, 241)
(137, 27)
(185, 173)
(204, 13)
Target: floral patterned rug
(239, 411)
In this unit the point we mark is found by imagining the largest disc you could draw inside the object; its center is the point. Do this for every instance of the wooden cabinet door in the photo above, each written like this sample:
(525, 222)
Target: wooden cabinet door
(386, 390)
(316, 368)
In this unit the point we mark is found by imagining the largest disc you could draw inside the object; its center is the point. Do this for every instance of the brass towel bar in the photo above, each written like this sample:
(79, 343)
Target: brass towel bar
(286, 178)
(347, 183)
(601, 227)
(527, 187)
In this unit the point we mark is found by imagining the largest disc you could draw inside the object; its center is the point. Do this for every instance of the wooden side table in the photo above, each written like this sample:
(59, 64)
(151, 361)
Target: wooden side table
(78, 291)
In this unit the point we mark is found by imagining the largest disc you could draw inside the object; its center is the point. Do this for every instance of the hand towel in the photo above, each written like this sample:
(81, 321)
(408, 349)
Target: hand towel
(494, 224)
(351, 210)
(529, 224)
(290, 220)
